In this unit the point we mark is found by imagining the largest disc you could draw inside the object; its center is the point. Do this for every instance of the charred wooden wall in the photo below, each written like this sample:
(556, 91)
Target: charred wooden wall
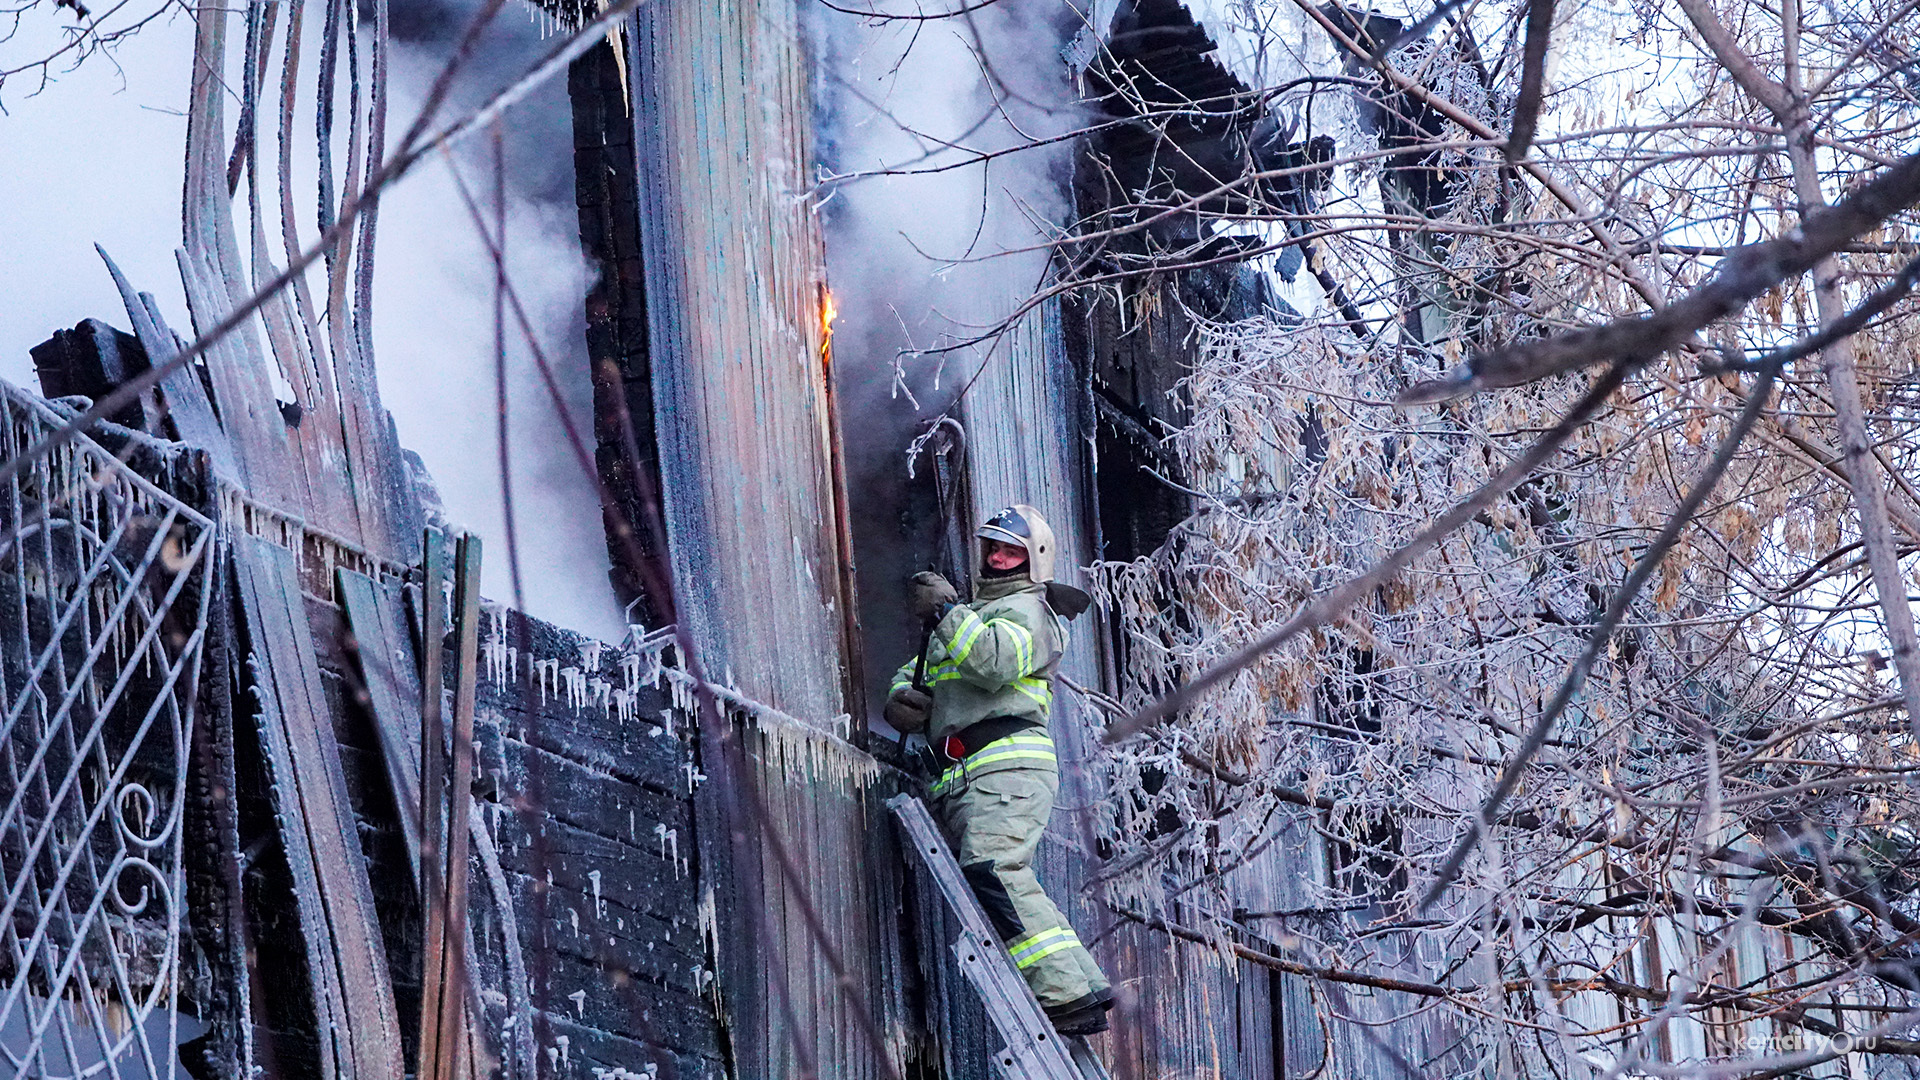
(585, 905)
(625, 448)
(735, 298)
(586, 779)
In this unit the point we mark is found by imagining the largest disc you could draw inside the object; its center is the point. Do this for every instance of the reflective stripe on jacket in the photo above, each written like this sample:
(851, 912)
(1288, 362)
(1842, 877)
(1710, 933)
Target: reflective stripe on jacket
(1030, 749)
(993, 657)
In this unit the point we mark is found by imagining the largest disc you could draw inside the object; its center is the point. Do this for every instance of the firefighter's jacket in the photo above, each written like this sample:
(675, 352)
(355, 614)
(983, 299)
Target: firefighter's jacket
(993, 657)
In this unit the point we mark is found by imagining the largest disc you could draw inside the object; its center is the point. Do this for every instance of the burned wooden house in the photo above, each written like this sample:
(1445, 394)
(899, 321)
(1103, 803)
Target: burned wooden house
(286, 797)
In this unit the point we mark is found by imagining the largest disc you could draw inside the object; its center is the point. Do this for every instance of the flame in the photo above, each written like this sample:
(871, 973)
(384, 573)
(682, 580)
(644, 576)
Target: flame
(828, 313)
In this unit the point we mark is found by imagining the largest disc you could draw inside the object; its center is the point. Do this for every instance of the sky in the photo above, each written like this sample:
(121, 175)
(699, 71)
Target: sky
(97, 155)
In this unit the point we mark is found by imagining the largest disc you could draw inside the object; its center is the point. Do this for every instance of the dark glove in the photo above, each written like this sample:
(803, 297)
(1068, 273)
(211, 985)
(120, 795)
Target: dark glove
(927, 594)
(908, 708)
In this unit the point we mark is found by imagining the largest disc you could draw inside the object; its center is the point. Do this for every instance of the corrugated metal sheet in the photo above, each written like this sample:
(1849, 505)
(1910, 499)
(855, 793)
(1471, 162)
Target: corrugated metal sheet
(734, 294)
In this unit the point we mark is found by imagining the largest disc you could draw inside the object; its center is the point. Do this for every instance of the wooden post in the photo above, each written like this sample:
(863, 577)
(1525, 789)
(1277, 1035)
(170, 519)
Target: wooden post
(466, 629)
(433, 750)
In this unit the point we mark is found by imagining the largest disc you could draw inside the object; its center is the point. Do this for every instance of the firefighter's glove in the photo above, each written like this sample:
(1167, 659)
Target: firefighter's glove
(908, 709)
(928, 594)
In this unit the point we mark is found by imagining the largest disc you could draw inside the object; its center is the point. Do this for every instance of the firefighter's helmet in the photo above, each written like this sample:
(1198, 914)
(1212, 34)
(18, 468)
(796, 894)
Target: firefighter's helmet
(1024, 527)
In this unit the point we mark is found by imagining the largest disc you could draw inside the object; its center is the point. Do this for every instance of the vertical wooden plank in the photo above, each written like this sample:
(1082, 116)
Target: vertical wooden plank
(345, 950)
(387, 670)
(453, 971)
(186, 399)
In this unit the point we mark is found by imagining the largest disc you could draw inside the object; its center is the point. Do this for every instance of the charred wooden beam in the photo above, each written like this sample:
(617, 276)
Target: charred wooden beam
(1193, 127)
(89, 361)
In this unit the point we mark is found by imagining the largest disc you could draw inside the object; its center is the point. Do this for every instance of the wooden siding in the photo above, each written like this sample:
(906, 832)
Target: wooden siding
(734, 289)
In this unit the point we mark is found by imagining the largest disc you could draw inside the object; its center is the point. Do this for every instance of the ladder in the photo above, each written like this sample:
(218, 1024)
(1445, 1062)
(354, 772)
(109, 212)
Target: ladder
(1031, 1049)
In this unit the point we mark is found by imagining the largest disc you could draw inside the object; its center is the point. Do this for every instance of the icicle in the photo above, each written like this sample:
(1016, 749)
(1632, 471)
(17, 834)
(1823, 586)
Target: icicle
(547, 673)
(499, 657)
(670, 842)
(621, 1072)
(682, 692)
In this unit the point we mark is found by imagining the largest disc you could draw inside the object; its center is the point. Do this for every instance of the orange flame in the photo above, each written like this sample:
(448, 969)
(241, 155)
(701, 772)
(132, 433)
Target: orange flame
(828, 313)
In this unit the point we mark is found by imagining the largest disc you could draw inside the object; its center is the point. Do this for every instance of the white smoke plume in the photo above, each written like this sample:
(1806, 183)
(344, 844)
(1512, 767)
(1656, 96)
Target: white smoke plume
(94, 155)
(940, 195)
(433, 321)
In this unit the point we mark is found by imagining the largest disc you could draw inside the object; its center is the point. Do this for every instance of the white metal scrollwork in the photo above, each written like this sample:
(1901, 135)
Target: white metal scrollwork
(103, 593)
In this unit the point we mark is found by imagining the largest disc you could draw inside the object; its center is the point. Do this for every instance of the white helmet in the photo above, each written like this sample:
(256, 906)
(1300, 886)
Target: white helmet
(1022, 526)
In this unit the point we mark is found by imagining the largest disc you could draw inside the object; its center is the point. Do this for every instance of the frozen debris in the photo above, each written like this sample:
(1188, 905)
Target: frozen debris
(641, 658)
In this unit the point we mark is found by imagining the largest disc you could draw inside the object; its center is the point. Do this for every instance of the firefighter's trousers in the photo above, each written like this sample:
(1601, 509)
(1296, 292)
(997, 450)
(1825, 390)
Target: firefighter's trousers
(995, 821)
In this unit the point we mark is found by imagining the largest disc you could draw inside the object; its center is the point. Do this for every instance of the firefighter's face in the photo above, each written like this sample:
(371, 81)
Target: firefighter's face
(1005, 557)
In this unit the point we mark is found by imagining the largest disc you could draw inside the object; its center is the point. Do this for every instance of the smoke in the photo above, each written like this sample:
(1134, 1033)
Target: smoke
(936, 222)
(98, 156)
(434, 319)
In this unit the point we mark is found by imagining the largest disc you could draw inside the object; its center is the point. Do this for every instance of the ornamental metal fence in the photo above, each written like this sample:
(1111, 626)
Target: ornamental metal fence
(103, 613)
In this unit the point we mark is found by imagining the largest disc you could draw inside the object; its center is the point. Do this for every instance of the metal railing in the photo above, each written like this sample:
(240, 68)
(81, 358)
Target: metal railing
(103, 612)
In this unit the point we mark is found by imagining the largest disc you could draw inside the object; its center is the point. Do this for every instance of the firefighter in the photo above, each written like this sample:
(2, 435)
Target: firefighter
(986, 681)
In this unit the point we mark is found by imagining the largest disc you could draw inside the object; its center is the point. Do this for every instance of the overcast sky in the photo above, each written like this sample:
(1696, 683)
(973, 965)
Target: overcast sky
(97, 156)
